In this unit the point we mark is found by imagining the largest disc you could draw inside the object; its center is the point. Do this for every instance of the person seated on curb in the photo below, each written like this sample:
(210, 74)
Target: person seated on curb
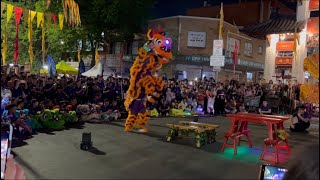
(242, 108)
(230, 107)
(300, 121)
(265, 108)
(18, 123)
(164, 108)
(107, 112)
(188, 110)
(199, 110)
(34, 107)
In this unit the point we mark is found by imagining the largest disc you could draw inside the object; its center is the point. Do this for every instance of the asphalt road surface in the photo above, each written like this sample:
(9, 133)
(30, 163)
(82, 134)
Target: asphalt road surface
(120, 155)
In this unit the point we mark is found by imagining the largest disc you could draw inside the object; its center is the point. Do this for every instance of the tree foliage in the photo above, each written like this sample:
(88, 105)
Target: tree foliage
(118, 20)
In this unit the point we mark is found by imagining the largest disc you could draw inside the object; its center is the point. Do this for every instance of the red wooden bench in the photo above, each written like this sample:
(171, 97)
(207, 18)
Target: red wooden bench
(275, 145)
(272, 122)
(236, 138)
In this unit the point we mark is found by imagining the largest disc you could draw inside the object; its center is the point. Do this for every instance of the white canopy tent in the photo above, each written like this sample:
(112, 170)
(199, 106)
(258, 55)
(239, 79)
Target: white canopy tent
(97, 70)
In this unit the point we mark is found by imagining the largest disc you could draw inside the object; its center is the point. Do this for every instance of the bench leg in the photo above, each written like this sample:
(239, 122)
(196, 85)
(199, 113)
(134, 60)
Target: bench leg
(263, 152)
(249, 140)
(276, 151)
(287, 146)
(235, 146)
(224, 144)
(172, 134)
(211, 136)
(201, 139)
(198, 140)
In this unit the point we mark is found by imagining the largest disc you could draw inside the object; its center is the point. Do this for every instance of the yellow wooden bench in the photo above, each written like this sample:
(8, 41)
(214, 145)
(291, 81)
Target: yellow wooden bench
(204, 134)
(203, 125)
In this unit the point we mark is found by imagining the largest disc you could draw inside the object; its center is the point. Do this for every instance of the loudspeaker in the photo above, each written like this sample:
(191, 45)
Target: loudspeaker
(86, 142)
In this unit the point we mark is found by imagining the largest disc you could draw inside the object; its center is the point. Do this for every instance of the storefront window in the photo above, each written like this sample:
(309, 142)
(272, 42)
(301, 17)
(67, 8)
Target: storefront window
(248, 49)
(249, 76)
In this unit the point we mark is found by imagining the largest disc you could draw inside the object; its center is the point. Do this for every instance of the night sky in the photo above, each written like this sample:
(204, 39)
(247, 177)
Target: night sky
(166, 8)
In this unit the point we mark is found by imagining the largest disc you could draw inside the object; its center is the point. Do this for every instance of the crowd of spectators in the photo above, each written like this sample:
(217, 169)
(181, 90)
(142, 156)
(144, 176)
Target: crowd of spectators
(178, 98)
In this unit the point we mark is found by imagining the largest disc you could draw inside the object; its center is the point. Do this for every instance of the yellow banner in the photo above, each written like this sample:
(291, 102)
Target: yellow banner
(61, 18)
(5, 45)
(3, 6)
(43, 45)
(97, 55)
(221, 21)
(9, 12)
(79, 54)
(40, 19)
(32, 14)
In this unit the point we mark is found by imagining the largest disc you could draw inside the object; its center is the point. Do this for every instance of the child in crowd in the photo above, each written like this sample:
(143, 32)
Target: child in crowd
(242, 108)
(199, 110)
(231, 107)
(188, 110)
(164, 108)
(265, 108)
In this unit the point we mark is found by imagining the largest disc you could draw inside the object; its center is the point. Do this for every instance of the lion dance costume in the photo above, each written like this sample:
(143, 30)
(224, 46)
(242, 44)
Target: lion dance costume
(144, 84)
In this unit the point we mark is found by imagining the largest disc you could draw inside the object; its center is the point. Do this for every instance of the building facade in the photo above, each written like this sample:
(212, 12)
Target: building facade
(286, 52)
(192, 41)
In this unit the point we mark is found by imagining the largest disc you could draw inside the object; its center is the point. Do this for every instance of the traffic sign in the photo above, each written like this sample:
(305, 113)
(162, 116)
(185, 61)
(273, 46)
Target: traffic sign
(217, 48)
(217, 61)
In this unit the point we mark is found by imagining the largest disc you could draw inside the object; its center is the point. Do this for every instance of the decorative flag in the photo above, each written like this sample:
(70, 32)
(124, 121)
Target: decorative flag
(31, 15)
(221, 21)
(54, 18)
(25, 13)
(48, 4)
(18, 13)
(48, 20)
(234, 57)
(97, 54)
(61, 18)
(295, 47)
(40, 19)
(5, 44)
(3, 6)
(81, 68)
(65, 9)
(43, 48)
(79, 54)
(51, 66)
(9, 12)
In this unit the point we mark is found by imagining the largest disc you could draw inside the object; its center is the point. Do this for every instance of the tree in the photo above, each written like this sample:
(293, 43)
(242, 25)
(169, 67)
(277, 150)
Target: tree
(117, 20)
(53, 35)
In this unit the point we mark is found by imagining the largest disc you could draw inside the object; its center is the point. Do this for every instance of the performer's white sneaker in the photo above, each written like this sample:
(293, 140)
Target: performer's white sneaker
(142, 130)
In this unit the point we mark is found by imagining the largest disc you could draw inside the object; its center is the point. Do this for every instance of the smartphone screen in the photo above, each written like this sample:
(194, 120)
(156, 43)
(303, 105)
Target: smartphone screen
(272, 172)
(6, 137)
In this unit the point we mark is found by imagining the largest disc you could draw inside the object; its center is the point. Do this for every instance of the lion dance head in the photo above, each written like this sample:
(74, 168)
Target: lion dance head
(159, 44)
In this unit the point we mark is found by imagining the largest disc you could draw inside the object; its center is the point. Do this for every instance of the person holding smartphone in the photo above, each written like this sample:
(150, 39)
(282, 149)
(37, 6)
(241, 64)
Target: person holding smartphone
(300, 123)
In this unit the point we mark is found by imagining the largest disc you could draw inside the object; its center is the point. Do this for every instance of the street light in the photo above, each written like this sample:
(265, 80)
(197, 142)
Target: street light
(61, 42)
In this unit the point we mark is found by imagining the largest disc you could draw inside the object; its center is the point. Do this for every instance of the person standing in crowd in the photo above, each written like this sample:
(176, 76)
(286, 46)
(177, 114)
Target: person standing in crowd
(210, 96)
(201, 94)
(219, 101)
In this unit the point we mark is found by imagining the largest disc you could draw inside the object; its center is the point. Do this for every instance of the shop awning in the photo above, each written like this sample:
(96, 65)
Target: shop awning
(274, 26)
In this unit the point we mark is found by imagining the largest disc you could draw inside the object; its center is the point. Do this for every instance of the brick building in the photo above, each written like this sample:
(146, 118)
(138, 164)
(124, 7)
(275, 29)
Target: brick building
(192, 60)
